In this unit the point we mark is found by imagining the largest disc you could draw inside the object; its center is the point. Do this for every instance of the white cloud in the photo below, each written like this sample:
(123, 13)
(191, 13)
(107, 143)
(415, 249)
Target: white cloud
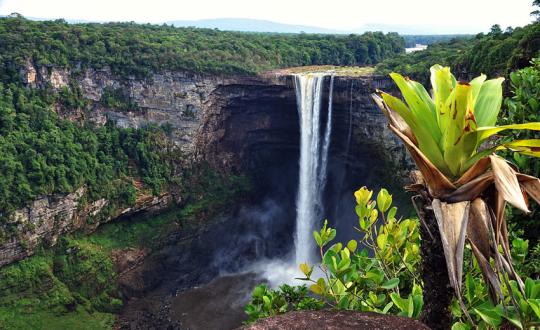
(338, 14)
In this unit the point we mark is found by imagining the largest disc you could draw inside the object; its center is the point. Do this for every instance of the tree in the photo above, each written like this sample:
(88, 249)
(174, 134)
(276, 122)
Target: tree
(462, 189)
(496, 30)
(536, 13)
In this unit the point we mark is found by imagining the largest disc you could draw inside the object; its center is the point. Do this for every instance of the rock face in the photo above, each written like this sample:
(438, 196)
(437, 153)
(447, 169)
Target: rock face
(336, 320)
(45, 219)
(235, 123)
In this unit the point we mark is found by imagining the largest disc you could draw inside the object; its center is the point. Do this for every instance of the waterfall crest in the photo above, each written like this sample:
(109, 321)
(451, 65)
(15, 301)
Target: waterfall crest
(313, 160)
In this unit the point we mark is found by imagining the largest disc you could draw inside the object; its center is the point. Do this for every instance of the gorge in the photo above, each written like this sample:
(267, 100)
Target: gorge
(235, 124)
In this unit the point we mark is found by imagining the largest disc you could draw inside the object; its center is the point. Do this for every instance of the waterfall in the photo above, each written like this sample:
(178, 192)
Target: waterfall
(313, 160)
(327, 132)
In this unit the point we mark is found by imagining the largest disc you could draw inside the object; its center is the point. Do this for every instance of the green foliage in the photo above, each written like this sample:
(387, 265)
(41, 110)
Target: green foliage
(41, 154)
(266, 302)
(521, 311)
(351, 279)
(57, 287)
(425, 39)
(116, 98)
(348, 277)
(130, 49)
(523, 106)
(207, 191)
(382, 275)
(494, 54)
(416, 65)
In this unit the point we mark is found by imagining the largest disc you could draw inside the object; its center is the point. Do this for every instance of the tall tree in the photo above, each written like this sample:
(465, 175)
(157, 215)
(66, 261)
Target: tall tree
(536, 13)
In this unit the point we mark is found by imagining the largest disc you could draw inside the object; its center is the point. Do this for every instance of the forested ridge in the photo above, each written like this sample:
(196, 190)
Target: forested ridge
(42, 154)
(135, 49)
(496, 53)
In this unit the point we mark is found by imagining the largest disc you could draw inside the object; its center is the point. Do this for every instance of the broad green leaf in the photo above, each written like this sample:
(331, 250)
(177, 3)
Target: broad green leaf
(488, 103)
(306, 270)
(387, 307)
(375, 275)
(485, 132)
(421, 110)
(476, 85)
(532, 290)
(514, 319)
(535, 305)
(424, 96)
(267, 302)
(452, 139)
(443, 82)
(352, 245)
(529, 147)
(381, 240)
(317, 238)
(390, 284)
(418, 300)
(363, 195)
(315, 288)
(410, 308)
(402, 304)
(426, 142)
(460, 326)
(384, 200)
(489, 314)
(392, 213)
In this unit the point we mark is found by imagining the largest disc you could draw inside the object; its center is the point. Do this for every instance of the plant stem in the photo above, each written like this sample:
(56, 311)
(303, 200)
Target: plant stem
(437, 291)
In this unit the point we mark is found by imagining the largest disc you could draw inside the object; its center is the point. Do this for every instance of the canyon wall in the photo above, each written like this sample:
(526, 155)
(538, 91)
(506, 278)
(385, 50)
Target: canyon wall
(234, 123)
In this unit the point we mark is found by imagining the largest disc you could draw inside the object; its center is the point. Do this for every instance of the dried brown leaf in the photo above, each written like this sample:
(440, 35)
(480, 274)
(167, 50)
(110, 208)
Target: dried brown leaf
(437, 183)
(452, 221)
(394, 119)
(477, 169)
(531, 185)
(478, 226)
(471, 189)
(507, 183)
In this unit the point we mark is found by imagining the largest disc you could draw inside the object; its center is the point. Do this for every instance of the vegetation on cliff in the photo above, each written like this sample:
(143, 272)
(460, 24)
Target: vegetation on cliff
(43, 154)
(131, 49)
(74, 285)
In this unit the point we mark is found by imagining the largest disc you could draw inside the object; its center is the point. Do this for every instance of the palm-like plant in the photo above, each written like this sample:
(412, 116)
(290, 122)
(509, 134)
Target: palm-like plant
(450, 136)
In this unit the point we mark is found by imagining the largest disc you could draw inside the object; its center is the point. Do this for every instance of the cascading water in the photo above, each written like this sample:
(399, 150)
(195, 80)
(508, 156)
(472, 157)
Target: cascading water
(313, 160)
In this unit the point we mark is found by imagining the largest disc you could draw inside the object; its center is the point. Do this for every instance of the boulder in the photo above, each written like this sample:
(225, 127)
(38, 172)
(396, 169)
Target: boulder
(338, 320)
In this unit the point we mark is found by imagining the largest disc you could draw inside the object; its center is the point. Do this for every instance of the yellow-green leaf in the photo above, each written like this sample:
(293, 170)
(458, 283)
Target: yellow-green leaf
(488, 103)
(487, 131)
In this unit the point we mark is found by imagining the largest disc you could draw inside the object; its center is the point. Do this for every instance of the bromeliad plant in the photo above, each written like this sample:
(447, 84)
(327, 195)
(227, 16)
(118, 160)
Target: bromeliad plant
(450, 136)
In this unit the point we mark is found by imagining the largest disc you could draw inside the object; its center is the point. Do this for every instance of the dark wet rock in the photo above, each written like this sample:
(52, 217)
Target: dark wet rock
(216, 305)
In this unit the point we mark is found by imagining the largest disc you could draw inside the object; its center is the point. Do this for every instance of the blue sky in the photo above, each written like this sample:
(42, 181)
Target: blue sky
(463, 15)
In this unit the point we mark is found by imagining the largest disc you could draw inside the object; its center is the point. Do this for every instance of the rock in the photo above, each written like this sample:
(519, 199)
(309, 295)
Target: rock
(45, 219)
(28, 74)
(335, 320)
(59, 78)
(128, 264)
(126, 259)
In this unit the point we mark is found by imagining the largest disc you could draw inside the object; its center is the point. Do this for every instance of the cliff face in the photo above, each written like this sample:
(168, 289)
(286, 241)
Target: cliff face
(44, 220)
(247, 124)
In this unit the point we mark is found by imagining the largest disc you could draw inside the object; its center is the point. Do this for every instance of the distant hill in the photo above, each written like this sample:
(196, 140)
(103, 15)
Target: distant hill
(253, 25)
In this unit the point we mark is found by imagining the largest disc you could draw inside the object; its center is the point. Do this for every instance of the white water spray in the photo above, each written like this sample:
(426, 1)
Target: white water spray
(313, 160)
